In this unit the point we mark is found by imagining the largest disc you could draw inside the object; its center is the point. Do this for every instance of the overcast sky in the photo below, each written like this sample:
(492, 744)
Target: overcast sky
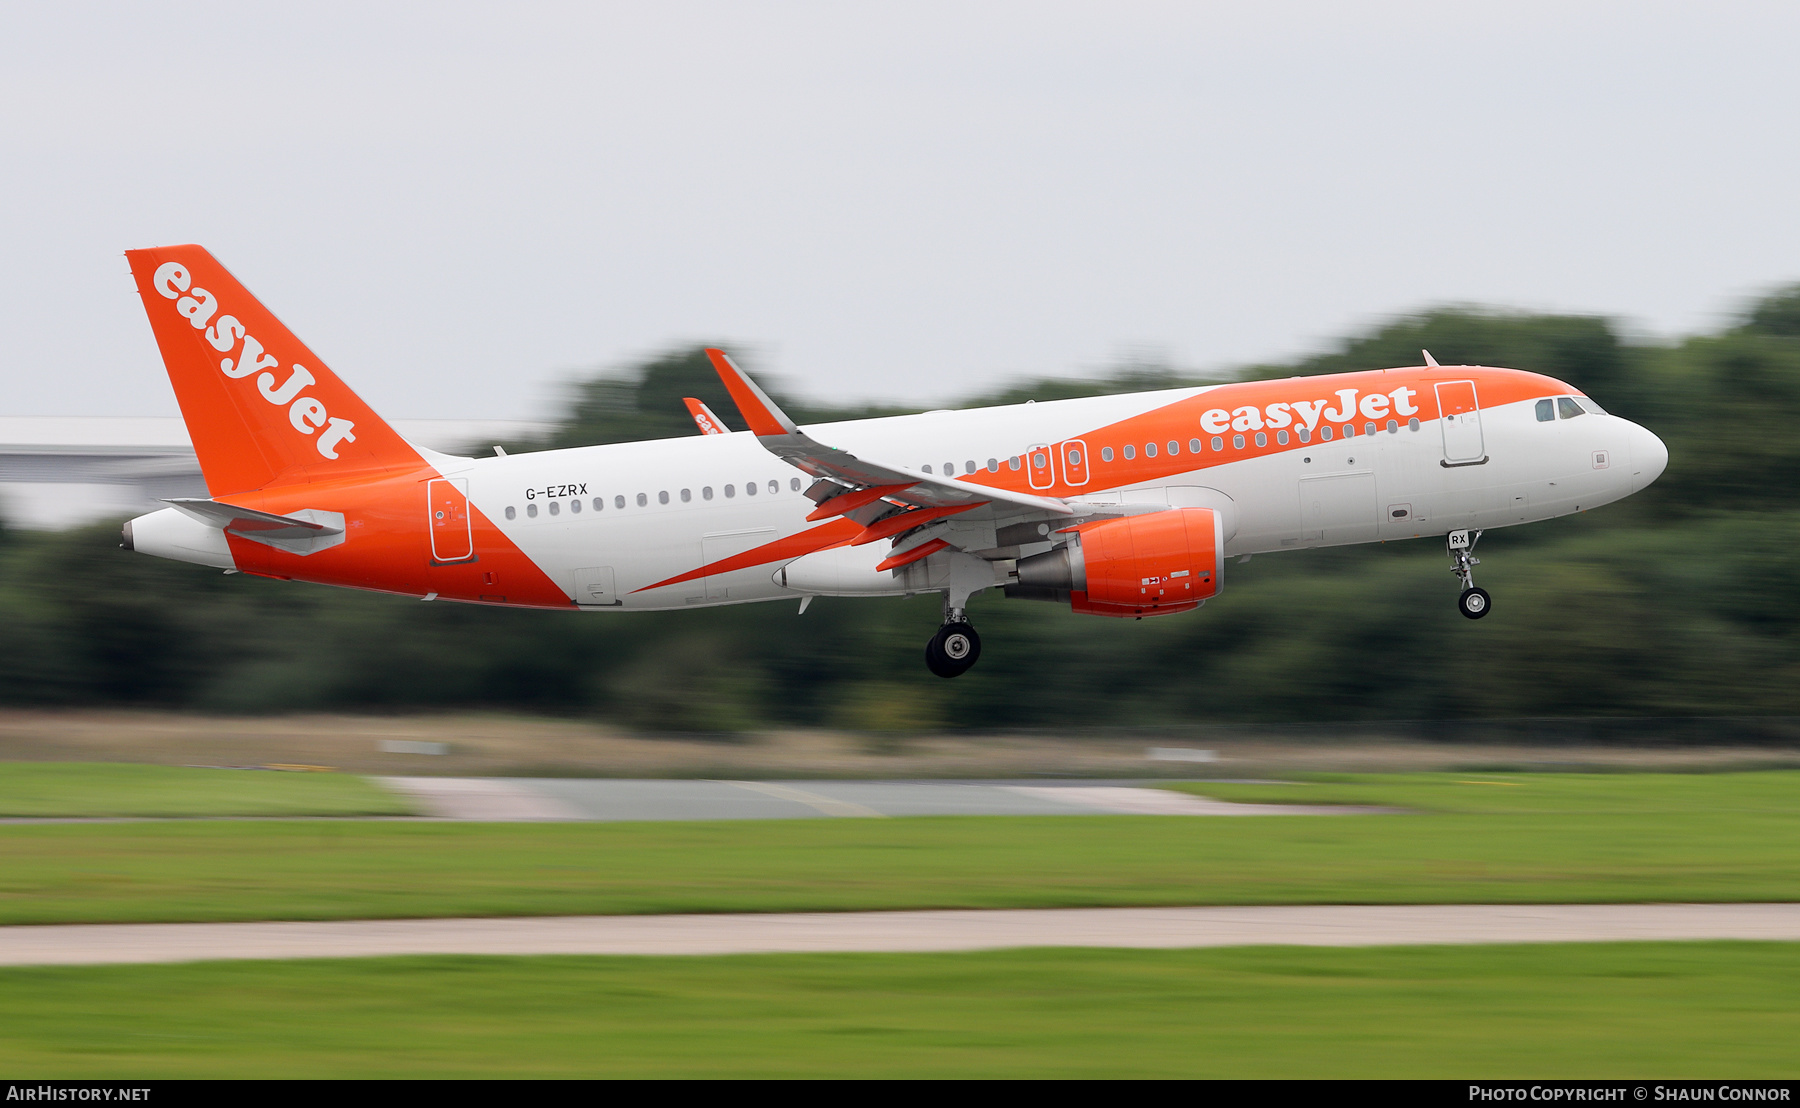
(460, 206)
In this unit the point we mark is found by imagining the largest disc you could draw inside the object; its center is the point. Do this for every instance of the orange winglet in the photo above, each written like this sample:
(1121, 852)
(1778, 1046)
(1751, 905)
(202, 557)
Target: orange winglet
(850, 501)
(905, 521)
(758, 410)
(924, 550)
(703, 417)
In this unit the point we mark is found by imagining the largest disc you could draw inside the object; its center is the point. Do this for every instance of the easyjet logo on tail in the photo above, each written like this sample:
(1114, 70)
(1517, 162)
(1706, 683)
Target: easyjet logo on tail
(307, 413)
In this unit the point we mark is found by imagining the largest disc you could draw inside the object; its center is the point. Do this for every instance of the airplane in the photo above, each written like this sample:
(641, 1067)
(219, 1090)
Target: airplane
(1125, 506)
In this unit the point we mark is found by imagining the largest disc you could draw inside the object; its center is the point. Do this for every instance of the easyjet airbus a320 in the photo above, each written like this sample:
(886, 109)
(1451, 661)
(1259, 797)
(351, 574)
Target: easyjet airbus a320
(1114, 505)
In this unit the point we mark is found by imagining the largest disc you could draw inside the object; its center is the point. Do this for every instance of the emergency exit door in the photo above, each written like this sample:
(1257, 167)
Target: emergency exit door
(448, 509)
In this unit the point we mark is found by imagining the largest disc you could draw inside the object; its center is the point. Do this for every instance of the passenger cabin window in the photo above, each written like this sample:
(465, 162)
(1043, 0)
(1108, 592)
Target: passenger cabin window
(1106, 454)
(993, 465)
(730, 491)
(531, 511)
(599, 503)
(749, 488)
(1193, 446)
(687, 495)
(706, 492)
(512, 512)
(1281, 437)
(618, 501)
(1218, 443)
(662, 497)
(1546, 410)
(575, 506)
(556, 507)
(1130, 452)
(643, 500)
(1013, 462)
(1262, 438)
(970, 466)
(794, 484)
(926, 467)
(1568, 408)
(1149, 450)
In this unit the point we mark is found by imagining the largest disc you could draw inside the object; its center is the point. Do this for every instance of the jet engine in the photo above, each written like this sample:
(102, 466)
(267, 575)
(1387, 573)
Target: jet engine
(1148, 565)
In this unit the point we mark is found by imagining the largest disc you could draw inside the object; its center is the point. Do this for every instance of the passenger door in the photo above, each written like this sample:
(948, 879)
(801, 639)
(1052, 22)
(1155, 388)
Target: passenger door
(447, 511)
(1460, 415)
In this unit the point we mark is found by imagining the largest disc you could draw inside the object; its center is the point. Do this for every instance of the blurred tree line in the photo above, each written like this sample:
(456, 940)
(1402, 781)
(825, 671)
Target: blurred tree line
(1679, 601)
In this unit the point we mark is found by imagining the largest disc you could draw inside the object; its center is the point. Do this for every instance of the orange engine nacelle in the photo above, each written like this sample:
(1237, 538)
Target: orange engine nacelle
(1149, 565)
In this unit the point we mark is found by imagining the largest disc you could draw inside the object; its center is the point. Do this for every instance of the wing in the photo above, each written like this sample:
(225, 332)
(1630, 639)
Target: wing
(703, 416)
(922, 513)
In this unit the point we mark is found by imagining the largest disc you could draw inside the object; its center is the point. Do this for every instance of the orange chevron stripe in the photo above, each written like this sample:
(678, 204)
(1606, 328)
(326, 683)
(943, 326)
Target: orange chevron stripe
(836, 533)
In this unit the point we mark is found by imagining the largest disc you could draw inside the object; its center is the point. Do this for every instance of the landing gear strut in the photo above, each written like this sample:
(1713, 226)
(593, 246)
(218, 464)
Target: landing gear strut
(1474, 602)
(955, 647)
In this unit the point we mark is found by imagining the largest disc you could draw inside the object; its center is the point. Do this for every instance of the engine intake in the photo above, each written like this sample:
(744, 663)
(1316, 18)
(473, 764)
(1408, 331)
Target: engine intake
(1149, 565)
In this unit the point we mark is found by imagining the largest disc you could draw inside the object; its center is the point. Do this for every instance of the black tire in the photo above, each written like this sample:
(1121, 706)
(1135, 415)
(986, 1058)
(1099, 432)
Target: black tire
(953, 650)
(1475, 603)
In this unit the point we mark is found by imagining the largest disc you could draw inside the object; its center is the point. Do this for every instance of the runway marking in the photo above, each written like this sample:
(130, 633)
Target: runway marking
(1140, 928)
(829, 805)
(482, 798)
(1123, 800)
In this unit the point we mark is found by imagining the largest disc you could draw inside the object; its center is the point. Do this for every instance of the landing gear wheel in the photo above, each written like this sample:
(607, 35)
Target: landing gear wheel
(1474, 603)
(953, 650)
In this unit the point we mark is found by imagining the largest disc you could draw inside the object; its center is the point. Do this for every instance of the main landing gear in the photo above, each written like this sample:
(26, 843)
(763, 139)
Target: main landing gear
(955, 647)
(1474, 602)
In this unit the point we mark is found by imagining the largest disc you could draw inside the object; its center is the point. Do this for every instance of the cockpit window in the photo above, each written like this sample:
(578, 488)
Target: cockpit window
(1546, 411)
(1590, 405)
(1568, 408)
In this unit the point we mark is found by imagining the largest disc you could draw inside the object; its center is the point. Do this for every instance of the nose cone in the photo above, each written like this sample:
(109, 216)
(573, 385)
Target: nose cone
(1649, 457)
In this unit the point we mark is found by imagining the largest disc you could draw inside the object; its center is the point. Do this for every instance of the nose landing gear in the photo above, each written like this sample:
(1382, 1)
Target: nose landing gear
(1474, 602)
(955, 647)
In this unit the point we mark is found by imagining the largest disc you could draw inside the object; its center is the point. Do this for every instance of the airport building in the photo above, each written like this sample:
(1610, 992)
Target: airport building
(58, 472)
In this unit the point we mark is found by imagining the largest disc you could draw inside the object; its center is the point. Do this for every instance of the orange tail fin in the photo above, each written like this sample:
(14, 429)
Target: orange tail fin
(261, 408)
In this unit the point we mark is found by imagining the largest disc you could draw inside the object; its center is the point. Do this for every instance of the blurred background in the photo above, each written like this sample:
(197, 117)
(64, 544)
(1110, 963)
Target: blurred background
(521, 228)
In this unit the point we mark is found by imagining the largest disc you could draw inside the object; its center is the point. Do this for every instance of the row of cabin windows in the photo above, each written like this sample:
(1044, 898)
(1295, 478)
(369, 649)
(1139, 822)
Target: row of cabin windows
(1568, 407)
(1261, 438)
(751, 488)
(1194, 446)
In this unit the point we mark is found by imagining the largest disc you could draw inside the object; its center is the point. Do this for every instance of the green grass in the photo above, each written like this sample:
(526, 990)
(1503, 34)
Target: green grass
(1518, 794)
(1552, 838)
(111, 789)
(1606, 1010)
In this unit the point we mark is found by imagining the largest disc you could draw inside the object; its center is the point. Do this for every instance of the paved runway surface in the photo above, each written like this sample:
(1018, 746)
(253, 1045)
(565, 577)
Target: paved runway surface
(519, 798)
(1302, 925)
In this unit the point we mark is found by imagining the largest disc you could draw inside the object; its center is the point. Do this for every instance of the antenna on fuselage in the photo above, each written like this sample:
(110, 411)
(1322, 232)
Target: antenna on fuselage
(1429, 360)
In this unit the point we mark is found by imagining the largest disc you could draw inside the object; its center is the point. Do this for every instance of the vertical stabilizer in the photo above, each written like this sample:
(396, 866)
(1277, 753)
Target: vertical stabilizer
(260, 407)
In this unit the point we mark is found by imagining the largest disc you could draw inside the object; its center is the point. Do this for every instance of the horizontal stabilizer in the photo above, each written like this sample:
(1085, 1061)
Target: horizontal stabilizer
(250, 522)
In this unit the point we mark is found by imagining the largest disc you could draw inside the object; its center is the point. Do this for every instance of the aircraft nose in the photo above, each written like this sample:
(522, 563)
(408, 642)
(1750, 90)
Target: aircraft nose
(1649, 457)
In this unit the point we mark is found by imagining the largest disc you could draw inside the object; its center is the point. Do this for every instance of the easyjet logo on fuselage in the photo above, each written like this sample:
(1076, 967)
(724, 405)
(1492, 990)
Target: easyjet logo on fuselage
(1308, 413)
(307, 413)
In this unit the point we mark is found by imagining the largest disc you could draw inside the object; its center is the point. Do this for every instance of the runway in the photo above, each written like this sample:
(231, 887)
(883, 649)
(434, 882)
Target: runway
(1141, 928)
(558, 798)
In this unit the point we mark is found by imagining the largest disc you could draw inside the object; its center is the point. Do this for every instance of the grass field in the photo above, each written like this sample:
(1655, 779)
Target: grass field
(1533, 838)
(1673, 1010)
(112, 789)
